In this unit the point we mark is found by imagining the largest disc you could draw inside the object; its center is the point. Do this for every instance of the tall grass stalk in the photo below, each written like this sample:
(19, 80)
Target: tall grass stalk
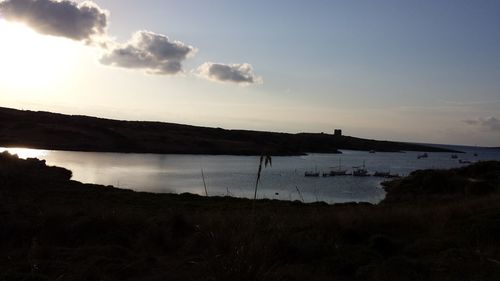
(204, 183)
(300, 194)
(266, 160)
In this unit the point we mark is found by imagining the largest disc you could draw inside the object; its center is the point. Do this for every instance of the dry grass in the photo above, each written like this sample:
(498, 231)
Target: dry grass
(55, 229)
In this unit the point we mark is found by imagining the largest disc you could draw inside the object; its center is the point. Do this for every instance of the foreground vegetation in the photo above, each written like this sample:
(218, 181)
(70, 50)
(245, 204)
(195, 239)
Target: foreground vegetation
(434, 225)
(47, 130)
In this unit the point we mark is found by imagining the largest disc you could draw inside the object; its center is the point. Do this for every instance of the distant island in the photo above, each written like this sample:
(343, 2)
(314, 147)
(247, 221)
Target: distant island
(46, 130)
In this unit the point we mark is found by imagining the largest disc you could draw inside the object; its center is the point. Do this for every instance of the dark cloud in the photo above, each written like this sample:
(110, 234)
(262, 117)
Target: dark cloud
(491, 123)
(152, 52)
(58, 18)
(236, 73)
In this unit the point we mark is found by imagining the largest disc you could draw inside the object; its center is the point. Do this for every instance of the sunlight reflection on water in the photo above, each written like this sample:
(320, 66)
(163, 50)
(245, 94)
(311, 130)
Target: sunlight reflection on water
(236, 175)
(25, 153)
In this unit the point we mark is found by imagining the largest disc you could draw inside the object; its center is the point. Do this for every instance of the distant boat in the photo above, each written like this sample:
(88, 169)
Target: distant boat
(425, 155)
(475, 154)
(454, 156)
(339, 171)
(372, 151)
(311, 174)
(462, 161)
(360, 171)
(314, 173)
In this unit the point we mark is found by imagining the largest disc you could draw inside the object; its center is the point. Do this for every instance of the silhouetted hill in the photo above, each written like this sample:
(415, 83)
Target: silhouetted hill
(481, 178)
(82, 133)
(434, 225)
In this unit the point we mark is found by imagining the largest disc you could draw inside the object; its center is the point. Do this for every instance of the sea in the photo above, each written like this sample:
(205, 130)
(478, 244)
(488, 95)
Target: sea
(222, 175)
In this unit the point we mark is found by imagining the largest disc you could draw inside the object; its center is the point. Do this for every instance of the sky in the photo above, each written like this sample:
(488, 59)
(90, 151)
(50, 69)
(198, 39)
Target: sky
(418, 71)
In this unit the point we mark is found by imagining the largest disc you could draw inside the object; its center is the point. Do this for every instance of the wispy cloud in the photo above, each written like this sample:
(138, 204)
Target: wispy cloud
(234, 73)
(58, 18)
(472, 103)
(490, 123)
(149, 51)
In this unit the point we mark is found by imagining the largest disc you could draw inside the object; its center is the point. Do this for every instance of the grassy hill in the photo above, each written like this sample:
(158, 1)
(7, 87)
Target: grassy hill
(47, 130)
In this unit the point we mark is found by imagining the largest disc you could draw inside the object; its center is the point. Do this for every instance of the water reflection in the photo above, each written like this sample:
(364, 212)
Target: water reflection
(236, 175)
(25, 153)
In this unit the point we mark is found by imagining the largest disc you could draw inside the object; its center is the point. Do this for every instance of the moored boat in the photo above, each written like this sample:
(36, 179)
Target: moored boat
(311, 174)
(360, 171)
(338, 171)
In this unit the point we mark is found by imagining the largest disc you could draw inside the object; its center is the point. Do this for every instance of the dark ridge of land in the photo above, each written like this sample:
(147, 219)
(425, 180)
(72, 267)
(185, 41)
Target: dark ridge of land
(434, 225)
(55, 131)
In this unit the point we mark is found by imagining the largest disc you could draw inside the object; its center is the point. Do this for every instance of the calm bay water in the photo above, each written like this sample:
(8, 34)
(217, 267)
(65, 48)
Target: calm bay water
(236, 175)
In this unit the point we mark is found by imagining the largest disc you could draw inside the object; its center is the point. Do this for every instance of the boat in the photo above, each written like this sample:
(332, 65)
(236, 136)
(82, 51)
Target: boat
(475, 154)
(425, 155)
(360, 171)
(372, 151)
(311, 174)
(454, 156)
(339, 171)
(462, 161)
(314, 173)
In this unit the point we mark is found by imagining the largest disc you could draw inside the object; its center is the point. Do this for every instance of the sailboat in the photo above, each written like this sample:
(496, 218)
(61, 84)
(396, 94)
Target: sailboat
(338, 171)
(311, 174)
(314, 173)
(360, 171)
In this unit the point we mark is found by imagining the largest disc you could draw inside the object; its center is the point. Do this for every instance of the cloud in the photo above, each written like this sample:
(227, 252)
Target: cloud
(491, 123)
(152, 52)
(236, 73)
(58, 18)
(86, 21)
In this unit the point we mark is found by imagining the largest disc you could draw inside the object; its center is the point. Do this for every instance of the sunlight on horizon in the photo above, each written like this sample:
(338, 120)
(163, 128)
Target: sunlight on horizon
(25, 153)
(33, 61)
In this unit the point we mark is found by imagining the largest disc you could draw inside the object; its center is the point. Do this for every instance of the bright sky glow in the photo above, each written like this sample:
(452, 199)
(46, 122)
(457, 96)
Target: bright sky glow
(32, 61)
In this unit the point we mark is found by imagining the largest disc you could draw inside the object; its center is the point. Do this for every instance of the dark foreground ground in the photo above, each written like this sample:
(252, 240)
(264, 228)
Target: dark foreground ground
(434, 225)
(47, 130)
